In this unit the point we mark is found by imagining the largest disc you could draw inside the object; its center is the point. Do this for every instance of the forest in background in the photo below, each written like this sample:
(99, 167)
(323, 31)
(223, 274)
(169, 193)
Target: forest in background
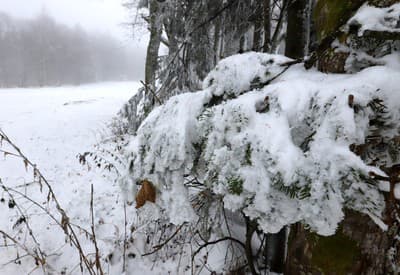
(42, 52)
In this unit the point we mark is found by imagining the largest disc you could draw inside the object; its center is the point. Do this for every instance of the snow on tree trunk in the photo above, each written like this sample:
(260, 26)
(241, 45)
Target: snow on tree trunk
(248, 153)
(329, 17)
(276, 143)
(365, 248)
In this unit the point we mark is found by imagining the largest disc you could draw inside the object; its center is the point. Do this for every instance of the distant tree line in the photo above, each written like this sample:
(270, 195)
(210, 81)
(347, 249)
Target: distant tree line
(42, 52)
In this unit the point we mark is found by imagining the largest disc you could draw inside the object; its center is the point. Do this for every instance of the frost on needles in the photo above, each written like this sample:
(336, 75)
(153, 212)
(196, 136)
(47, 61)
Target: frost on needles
(279, 153)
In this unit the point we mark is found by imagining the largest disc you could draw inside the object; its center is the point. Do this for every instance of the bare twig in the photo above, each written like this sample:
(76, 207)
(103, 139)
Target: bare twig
(125, 240)
(65, 220)
(98, 263)
(148, 88)
(33, 254)
(41, 256)
(159, 246)
(215, 242)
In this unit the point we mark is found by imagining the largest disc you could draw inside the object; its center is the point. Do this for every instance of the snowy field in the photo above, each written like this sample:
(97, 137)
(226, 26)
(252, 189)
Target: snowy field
(52, 126)
(57, 123)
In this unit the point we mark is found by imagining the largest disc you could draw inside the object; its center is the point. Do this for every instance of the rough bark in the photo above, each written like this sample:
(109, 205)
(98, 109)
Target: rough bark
(309, 253)
(358, 247)
(331, 61)
(275, 251)
(330, 15)
(327, 18)
(267, 26)
(155, 27)
(297, 29)
(276, 36)
(250, 229)
(217, 41)
(258, 27)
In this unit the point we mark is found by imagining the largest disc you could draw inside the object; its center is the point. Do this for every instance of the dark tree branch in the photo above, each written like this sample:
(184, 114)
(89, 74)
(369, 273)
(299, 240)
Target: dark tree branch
(159, 246)
(215, 242)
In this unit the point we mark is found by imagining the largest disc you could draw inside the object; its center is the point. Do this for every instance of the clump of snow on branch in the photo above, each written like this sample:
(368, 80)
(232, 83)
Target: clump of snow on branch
(377, 19)
(234, 75)
(280, 153)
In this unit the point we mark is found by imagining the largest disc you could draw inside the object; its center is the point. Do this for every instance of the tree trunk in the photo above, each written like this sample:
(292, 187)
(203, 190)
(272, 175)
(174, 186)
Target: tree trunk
(297, 29)
(258, 26)
(217, 41)
(275, 250)
(267, 26)
(358, 247)
(251, 227)
(155, 23)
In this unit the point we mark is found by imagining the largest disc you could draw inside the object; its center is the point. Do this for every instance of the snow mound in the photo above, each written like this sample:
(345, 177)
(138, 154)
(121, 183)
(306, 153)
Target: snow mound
(281, 154)
(377, 19)
(237, 74)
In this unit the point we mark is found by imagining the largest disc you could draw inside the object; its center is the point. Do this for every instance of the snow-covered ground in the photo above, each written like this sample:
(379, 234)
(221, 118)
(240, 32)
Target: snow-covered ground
(52, 126)
(40, 120)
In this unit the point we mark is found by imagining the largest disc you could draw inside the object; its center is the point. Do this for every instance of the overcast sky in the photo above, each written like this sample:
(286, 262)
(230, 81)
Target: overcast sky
(102, 15)
(106, 16)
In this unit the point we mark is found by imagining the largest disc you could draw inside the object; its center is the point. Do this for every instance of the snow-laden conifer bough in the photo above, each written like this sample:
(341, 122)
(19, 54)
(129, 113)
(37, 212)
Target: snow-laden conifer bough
(279, 153)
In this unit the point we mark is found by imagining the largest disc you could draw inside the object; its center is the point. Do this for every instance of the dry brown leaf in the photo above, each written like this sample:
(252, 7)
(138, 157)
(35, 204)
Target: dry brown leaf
(146, 193)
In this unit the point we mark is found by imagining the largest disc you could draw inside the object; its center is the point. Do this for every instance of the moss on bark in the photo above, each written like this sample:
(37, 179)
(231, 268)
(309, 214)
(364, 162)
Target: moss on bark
(312, 254)
(329, 15)
(335, 254)
(358, 247)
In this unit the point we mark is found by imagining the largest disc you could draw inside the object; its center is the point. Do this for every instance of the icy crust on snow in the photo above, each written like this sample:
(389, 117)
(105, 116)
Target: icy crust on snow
(287, 162)
(236, 74)
(377, 19)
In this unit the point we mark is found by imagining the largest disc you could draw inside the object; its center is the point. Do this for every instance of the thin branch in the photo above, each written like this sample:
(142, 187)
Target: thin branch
(125, 240)
(151, 91)
(215, 242)
(6, 153)
(212, 18)
(159, 246)
(65, 224)
(98, 263)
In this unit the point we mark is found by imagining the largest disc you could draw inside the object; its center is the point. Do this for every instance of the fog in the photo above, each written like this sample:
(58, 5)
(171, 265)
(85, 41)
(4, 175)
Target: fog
(92, 15)
(58, 42)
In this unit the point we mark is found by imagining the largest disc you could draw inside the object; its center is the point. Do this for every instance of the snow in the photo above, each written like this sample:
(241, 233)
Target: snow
(377, 19)
(291, 161)
(236, 74)
(52, 126)
(278, 153)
